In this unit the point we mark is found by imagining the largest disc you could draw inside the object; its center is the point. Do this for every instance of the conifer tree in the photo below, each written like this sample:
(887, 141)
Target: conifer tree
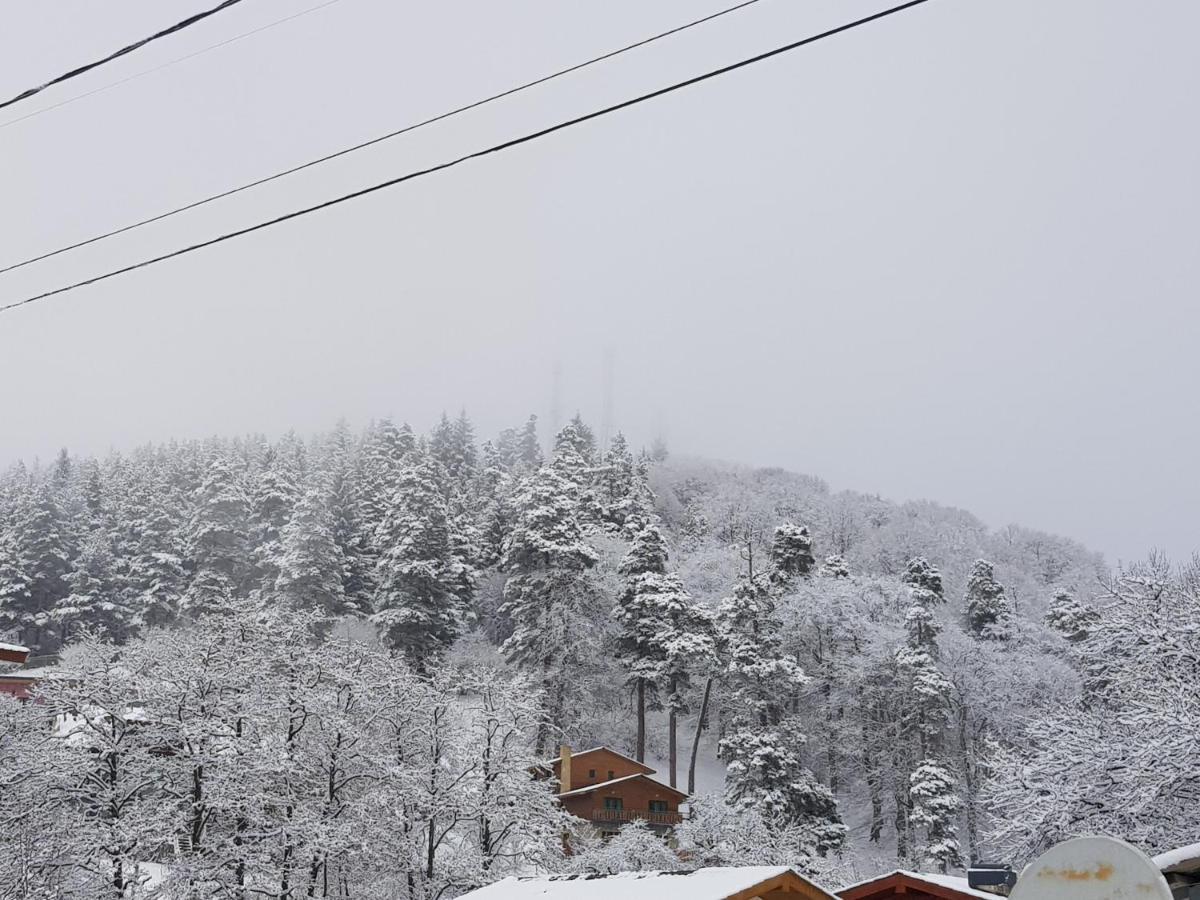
(1071, 617)
(94, 602)
(791, 553)
(935, 807)
(619, 489)
(585, 439)
(310, 563)
(41, 561)
(154, 577)
(528, 448)
(765, 774)
(453, 445)
(17, 613)
(353, 547)
(641, 621)
(688, 641)
(834, 567)
(493, 489)
(274, 499)
(217, 541)
(549, 594)
(760, 676)
(988, 611)
(923, 707)
(419, 602)
(572, 460)
(383, 455)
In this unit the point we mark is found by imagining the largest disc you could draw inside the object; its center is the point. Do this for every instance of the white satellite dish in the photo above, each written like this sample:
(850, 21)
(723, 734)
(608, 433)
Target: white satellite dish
(1092, 868)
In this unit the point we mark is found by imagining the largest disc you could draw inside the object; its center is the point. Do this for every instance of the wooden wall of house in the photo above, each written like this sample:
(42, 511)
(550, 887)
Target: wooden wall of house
(635, 795)
(593, 768)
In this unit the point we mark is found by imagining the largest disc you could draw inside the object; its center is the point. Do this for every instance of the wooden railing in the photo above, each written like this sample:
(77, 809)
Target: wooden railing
(629, 815)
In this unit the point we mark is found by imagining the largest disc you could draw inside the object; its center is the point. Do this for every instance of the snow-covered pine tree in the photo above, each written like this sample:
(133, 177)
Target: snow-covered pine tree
(453, 445)
(95, 601)
(759, 676)
(988, 612)
(586, 445)
(152, 572)
(273, 500)
(573, 459)
(549, 595)
(765, 774)
(384, 451)
(217, 541)
(618, 488)
(640, 618)
(18, 616)
(418, 602)
(834, 567)
(528, 448)
(1071, 617)
(353, 545)
(36, 579)
(688, 639)
(935, 809)
(922, 706)
(791, 553)
(310, 562)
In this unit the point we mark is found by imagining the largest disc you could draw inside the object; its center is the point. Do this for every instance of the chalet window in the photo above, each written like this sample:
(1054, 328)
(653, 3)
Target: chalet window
(658, 806)
(614, 803)
(610, 775)
(591, 773)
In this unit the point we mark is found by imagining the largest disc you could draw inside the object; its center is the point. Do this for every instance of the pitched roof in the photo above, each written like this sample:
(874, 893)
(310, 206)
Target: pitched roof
(1181, 859)
(587, 789)
(713, 883)
(949, 887)
(574, 756)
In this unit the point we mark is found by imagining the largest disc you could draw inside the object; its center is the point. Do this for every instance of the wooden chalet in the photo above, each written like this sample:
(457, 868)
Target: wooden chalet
(14, 681)
(609, 789)
(915, 886)
(713, 883)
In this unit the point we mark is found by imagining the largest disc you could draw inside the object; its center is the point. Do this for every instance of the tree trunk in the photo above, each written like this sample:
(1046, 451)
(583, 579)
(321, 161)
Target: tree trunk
(672, 729)
(696, 740)
(640, 750)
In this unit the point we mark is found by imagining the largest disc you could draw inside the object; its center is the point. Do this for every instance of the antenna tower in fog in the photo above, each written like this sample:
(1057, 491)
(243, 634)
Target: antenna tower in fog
(556, 420)
(606, 420)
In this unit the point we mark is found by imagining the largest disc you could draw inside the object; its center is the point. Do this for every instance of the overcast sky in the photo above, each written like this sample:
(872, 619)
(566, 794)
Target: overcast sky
(951, 255)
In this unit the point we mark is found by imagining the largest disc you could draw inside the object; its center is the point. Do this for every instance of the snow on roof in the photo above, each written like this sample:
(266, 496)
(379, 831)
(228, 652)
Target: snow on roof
(1181, 859)
(603, 784)
(15, 648)
(951, 882)
(713, 883)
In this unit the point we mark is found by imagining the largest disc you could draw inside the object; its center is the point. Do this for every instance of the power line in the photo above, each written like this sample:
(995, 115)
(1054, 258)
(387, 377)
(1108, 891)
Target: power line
(168, 64)
(495, 148)
(377, 140)
(76, 72)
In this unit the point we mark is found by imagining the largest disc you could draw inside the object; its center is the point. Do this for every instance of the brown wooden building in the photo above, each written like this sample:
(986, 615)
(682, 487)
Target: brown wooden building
(14, 681)
(915, 886)
(608, 789)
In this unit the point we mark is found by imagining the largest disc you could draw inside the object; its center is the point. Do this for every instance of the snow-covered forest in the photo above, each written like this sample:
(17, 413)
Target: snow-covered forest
(329, 667)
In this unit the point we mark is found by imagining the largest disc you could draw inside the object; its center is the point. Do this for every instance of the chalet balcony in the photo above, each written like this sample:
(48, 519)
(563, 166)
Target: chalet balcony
(629, 815)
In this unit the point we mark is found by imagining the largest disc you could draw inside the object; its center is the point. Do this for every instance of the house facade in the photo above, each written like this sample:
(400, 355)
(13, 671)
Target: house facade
(14, 681)
(609, 789)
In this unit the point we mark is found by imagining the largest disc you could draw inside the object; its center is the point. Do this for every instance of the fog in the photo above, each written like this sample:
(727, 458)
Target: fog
(950, 255)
